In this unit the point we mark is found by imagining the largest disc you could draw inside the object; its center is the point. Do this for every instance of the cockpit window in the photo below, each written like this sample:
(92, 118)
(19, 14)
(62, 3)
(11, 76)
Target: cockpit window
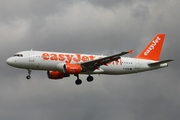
(18, 55)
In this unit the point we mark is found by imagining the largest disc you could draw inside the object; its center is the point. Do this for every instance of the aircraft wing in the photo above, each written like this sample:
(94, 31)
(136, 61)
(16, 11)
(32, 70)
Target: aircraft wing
(95, 64)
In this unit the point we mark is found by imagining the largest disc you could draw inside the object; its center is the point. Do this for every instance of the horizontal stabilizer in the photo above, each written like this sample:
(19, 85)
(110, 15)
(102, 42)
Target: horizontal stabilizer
(160, 62)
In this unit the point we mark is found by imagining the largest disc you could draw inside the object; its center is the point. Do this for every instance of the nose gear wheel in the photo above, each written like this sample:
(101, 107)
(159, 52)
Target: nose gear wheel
(29, 74)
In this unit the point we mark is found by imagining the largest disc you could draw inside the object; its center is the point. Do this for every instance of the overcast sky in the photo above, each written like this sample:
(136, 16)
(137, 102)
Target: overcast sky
(94, 27)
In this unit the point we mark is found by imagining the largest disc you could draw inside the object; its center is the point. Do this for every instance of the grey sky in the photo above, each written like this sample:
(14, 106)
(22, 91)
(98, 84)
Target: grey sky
(95, 27)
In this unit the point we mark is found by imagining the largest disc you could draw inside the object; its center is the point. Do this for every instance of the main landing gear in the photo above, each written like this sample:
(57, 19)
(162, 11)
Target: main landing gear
(90, 78)
(79, 81)
(29, 74)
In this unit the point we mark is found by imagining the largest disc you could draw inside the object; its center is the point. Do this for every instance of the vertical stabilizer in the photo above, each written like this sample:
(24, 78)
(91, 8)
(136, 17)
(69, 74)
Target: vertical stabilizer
(153, 50)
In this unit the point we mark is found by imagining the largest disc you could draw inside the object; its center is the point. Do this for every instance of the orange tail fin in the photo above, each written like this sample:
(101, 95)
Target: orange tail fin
(153, 50)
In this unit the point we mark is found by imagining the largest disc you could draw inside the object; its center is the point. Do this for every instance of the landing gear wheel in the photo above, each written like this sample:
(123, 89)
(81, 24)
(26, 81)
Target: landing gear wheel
(90, 78)
(78, 82)
(28, 77)
(29, 74)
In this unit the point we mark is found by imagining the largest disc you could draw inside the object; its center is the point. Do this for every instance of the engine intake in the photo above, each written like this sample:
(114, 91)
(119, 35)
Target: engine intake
(72, 68)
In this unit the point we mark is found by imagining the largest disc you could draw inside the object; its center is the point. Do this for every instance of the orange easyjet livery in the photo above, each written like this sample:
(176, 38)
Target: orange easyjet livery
(59, 65)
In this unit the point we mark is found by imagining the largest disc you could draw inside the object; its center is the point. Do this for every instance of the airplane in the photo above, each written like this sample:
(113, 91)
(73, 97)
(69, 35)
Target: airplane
(60, 65)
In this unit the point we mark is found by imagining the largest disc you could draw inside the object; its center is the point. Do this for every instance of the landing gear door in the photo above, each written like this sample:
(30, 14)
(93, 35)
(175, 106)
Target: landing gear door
(31, 56)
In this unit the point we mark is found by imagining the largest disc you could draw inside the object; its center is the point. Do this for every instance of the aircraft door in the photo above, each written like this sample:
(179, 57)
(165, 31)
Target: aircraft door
(31, 56)
(33, 61)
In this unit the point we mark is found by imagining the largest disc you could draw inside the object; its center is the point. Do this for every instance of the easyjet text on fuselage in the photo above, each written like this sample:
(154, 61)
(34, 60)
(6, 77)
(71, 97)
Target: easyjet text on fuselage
(72, 58)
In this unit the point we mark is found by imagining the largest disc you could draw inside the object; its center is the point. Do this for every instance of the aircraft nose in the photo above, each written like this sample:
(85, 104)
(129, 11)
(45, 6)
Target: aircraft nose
(9, 61)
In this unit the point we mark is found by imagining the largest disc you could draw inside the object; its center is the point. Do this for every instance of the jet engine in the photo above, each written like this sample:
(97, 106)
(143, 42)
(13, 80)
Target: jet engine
(56, 75)
(72, 68)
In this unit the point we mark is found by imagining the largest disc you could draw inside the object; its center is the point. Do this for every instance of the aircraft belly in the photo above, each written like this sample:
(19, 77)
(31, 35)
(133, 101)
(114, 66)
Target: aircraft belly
(117, 70)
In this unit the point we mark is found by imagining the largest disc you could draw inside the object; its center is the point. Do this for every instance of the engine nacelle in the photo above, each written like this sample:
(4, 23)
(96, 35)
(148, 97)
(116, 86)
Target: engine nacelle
(56, 75)
(72, 68)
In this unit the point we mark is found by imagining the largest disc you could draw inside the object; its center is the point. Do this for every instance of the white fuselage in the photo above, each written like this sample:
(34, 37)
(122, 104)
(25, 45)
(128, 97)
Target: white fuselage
(43, 60)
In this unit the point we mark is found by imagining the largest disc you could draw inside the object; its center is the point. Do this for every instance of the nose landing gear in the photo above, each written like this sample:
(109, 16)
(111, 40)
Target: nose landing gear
(29, 74)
